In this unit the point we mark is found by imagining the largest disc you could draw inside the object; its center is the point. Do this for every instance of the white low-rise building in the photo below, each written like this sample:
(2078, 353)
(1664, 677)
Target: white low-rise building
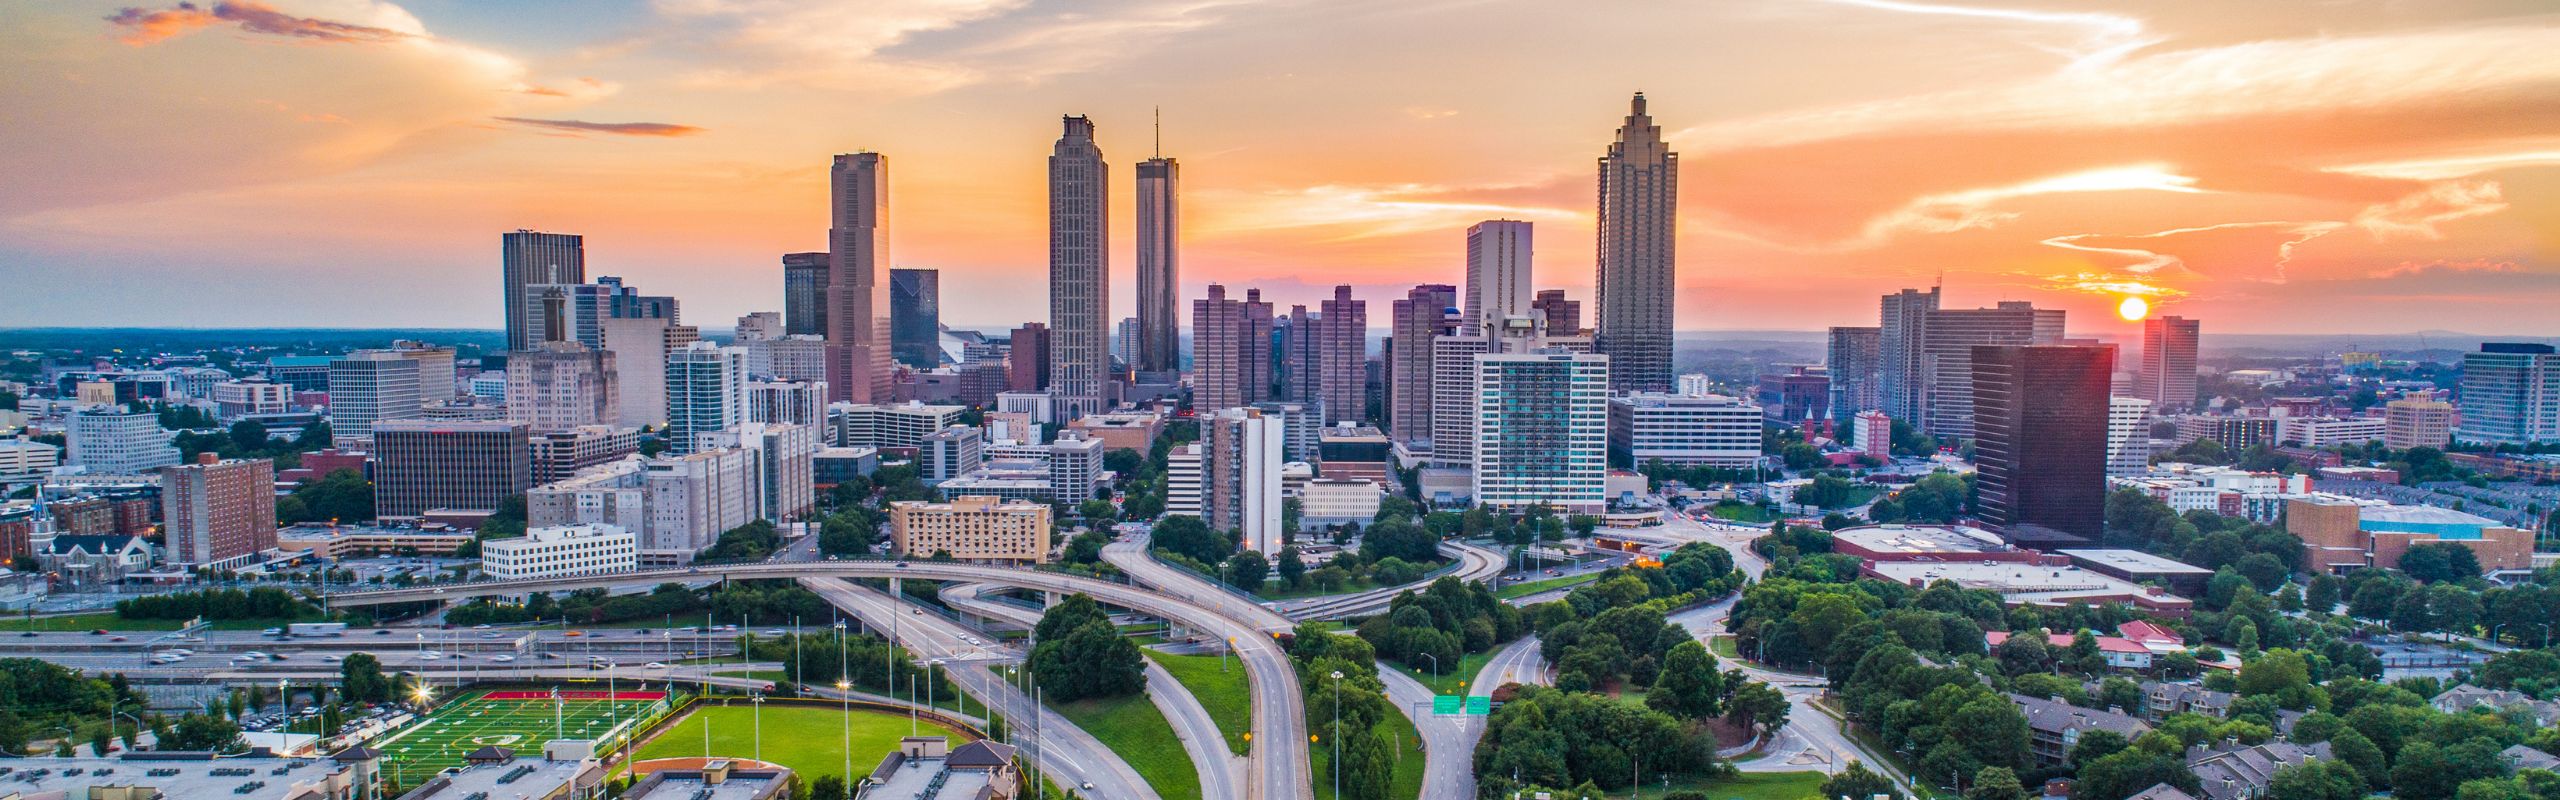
(1709, 430)
(1334, 501)
(562, 551)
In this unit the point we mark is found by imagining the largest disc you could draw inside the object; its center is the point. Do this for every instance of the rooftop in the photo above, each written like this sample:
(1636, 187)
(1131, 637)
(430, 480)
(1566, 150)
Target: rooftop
(2023, 583)
(178, 776)
(1953, 541)
(2134, 561)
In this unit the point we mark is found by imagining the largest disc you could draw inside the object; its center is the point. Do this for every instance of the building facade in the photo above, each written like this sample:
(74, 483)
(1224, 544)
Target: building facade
(2417, 422)
(1704, 430)
(706, 392)
(1079, 272)
(1421, 316)
(1230, 350)
(858, 363)
(1902, 339)
(557, 455)
(972, 528)
(1948, 356)
(370, 386)
(1498, 271)
(2128, 436)
(559, 385)
(422, 465)
(1854, 359)
(113, 440)
(2168, 376)
(1240, 476)
(2510, 394)
(1639, 224)
(915, 317)
(560, 552)
(1158, 347)
(531, 258)
(218, 513)
(1542, 431)
(1342, 368)
(804, 293)
(2041, 420)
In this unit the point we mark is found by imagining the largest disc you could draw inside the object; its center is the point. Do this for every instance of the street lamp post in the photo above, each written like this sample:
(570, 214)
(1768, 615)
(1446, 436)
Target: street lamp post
(844, 690)
(1337, 734)
(1435, 667)
(758, 702)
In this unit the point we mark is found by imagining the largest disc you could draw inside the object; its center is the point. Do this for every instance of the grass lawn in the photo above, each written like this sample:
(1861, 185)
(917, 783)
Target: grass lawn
(108, 620)
(1526, 588)
(1746, 786)
(1726, 647)
(1400, 735)
(1740, 512)
(1132, 727)
(1451, 676)
(808, 740)
(1227, 696)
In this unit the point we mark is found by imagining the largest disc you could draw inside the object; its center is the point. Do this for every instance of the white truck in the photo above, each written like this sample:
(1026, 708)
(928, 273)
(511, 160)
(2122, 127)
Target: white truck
(317, 629)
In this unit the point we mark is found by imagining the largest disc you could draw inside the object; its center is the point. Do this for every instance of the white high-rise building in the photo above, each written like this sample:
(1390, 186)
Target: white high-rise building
(678, 505)
(2128, 436)
(949, 454)
(1694, 384)
(1182, 480)
(706, 392)
(785, 456)
(1498, 273)
(368, 386)
(797, 403)
(895, 426)
(1079, 273)
(1542, 431)
(1241, 477)
(798, 357)
(1453, 379)
(640, 346)
(1705, 429)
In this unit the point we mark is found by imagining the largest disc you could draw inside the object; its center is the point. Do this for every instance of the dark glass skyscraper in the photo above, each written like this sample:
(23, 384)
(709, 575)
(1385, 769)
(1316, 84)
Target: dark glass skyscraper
(2040, 440)
(915, 317)
(804, 293)
(1158, 348)
(533, 258)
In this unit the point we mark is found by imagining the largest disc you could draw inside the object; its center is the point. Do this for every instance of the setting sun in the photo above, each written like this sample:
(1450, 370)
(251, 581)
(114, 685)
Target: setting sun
(2133, 309)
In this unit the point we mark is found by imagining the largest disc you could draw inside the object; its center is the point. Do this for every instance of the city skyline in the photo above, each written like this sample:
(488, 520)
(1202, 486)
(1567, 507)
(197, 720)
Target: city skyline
(2041, 153)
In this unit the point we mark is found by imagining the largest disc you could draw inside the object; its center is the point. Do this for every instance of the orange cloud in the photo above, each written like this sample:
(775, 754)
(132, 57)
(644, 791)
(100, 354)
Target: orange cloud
(616, 128)
(146, 27)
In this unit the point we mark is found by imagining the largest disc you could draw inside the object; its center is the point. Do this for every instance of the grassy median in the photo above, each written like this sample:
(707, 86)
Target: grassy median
(1132, 728)
(1226, 695)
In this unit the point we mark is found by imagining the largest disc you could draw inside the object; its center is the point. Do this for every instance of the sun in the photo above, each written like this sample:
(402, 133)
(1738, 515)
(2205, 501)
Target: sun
(2133, 309)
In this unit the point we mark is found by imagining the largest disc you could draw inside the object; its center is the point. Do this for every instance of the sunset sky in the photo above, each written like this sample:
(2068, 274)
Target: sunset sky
(2344, 166)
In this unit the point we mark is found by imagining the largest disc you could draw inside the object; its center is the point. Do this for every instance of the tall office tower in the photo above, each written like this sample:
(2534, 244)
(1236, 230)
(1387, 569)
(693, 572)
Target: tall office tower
(1902, 376)
(1124, 342)
(1948, 356)
(1542, 431)
(115, 440)
(1498, 271)
(1639, 225)
(424, 465)
(1563, 317)
(915, 317)
(436, 382)
(1453, 386)
(2128, 436)
(804, 293)
(2168, 377)
(531, 258)
(1855, 361)
(706, 391)
(219, 513)
(1421, 316)
(558, 386)
(1342, 365)
(857, 283)
(369, 386)
(1230, 350)
(1079, 272)
(2510, 394)
(2417, 422)
(2040, 440)
(639, 346)
(1297, 357)
(757, 326)
(1240, 466)
(1027, 358)
(1159, 344)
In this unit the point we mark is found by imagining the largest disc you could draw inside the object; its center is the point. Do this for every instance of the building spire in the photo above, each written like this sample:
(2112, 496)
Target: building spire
(1636, 108)
(1159, 132)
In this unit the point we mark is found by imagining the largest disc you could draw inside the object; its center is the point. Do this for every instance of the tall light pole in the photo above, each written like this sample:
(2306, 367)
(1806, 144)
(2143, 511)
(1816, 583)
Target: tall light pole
(844, 690)
(1337, 735)
(758, 702)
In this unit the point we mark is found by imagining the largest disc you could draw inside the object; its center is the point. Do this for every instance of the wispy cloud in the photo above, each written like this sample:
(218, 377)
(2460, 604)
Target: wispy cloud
(2103, 37)
(152, 26)
(575, 126)
(2408, 268)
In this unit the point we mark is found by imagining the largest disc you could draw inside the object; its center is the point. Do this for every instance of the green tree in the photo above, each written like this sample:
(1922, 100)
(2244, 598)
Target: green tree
(2317, 780)
(199, 733)
(1191, 538)
(2097, 744)
(2427, 771)
(827, 787)
(1293, 567)
(1247, 570)
(1758, 704)
(1860, 783)
(1995, 783)
(360, 679)
(2440, 561)
(2119, 776)
(1080, 655)
(1689, 685)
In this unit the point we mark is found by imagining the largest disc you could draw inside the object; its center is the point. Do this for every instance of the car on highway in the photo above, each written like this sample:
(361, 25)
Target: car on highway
(382, 632)
(654, 665)
(502, 658)
(267, 632)
(480, 627)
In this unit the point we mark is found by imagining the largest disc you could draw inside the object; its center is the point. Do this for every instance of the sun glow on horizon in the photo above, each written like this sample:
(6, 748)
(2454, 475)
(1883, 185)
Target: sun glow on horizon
(2133, 309)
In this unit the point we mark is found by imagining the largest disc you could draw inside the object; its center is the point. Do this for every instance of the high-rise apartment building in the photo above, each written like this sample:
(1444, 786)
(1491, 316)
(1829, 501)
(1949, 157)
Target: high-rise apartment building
(558, 385)
(804, 293)
(2417, 422)
(2168, 376)
(1902, 365)
(1948, 356)
(1079, 272)
(115, 440)
(640, 346)
(1027, 358)
(1702, 429)
(530, 258)
(1342, 364)
(1639, 224)
(1240, 466)
(706, 392)
(2040, 440)
(1158, 348)
(1542, 431)
(798, 403)
(1854, 358)
(857, 279)
(1563, 317)
(426, 465)
(1230, 350)
(1182, 480)
(785, 455)
(2128, 436)
(370, 386)
(1454, 374)
(915, 317)
(218, 513)
(1422, 315)
(556, 455)
(2510, 394)
(1498, 271)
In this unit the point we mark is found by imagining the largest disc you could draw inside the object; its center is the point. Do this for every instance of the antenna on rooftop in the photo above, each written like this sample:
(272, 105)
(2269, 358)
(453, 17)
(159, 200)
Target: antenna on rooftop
(1159, 131)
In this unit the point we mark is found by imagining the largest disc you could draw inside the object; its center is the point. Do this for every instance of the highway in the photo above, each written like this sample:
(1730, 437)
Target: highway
(1278, 710)
(1219, 768)
(1066, 752)
(1448, 742)
(1475, 565)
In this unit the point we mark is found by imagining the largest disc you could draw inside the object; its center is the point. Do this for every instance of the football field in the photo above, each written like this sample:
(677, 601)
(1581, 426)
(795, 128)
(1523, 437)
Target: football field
(519, 720)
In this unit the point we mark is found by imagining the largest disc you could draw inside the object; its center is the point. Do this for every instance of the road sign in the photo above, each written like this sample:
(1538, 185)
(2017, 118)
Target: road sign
(1447, 704)
(1480, 705)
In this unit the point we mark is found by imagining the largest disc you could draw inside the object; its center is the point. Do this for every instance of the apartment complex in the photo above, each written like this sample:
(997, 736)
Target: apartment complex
(218, 513)
(972, 528)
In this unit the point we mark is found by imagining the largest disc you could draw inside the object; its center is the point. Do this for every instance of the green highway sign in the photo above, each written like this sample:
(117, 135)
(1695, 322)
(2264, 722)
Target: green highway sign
(1446, 704)
(1479, 705)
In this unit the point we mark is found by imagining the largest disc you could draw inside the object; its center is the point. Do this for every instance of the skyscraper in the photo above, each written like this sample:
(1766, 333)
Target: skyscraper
(1298, 357)
(1854, 359)
(804, 293)
(706, 391)
(1563, 317)
(2510, 394)
(1079, 271)
(531, 258)
(1027, 358)
(640, 346)
(1902, 335)
(1639, 224)
(2168, 377)
(1241, 476)
(1419, 317)
(2041, 416)
(915, 317)
(1159, 344)
(1230, 350)
(369, 386)
(1342, 363)
(857, 290)
(1541, 430)
(1498, 272)
(1948, 356)
(2128, 436)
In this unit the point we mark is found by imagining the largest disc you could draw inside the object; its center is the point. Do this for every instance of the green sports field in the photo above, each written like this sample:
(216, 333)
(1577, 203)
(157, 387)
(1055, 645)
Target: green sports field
(810, 740)
(518, 720)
